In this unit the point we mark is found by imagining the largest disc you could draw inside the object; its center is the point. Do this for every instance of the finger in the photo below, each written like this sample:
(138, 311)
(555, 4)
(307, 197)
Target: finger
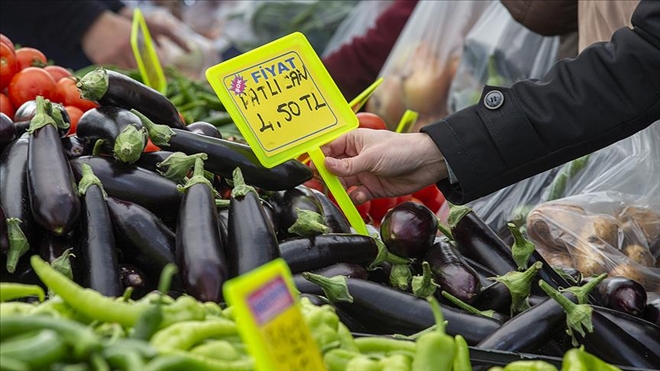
(347, 166)
(361, 194)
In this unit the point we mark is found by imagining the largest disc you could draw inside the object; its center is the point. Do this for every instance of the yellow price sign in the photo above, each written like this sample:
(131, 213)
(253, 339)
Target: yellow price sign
(145, 54)
(285, 103)
(270, 321)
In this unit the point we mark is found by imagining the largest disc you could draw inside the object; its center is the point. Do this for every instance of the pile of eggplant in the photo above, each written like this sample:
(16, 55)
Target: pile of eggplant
(117, 215)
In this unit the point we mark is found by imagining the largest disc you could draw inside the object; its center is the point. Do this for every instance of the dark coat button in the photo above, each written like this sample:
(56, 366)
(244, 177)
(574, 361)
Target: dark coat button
(494, 99)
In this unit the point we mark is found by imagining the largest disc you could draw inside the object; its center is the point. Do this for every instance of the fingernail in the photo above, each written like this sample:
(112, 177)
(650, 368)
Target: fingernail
(360, 197)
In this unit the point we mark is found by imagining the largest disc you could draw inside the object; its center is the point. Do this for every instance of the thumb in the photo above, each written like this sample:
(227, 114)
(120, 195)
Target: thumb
(346, 166)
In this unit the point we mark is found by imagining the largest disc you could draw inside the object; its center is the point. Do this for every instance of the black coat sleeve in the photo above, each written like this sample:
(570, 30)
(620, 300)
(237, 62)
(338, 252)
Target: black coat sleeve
(609, 92)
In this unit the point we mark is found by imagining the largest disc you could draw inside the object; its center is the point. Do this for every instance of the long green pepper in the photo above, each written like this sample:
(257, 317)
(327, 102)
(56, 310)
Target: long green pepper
(435, 350)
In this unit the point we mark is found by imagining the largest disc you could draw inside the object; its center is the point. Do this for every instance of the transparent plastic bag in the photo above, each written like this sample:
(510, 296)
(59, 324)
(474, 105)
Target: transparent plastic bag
(423, 61)
(356, 24)
(499, 51)
(601, 232)
(610, 223)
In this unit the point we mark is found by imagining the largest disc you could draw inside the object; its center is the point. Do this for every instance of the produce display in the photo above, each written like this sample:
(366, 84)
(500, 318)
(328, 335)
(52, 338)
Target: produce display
(118, 229)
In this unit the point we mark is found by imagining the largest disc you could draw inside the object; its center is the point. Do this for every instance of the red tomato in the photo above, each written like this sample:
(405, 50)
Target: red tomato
(8, 65)
(402, 199)
(371, 121)
(58, 72)
(27, 84)
(70, 96)
(6, 107)
(150, 147)
(427, 193)
(74, 116)
(30, 57)
(5, 40)
(379, 208)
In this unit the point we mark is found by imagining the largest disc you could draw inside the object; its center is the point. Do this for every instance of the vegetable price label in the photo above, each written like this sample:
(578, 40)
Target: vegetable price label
(282, 99)
(145, 54)
(285, 103)
(270, 321)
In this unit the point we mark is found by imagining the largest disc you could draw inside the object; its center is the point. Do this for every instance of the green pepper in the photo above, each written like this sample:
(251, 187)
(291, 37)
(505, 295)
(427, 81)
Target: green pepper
(435, 350)
(363, 363)
(384, 346)
(346, 340)
(218, 349)
(577, 359)
(11, 291)
(187, 361)
(184, 335)
(462, 356)
(337, 359)
(10, 364)
(397, 362)
(152, 318)
(528, 365)
(36, 351)
(16, 308)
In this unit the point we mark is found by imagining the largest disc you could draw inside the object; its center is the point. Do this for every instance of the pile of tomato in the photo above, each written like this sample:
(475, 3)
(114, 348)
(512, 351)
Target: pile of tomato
(373, 211)
(26, 73)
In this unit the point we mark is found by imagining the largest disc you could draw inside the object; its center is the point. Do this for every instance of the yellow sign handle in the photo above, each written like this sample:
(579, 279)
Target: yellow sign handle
(339, 192)
(407, 121)
(362, 98)
(145, 54)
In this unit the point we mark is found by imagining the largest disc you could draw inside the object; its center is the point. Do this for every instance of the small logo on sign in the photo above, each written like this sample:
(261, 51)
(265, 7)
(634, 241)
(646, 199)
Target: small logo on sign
(270, 300)
(237, 85)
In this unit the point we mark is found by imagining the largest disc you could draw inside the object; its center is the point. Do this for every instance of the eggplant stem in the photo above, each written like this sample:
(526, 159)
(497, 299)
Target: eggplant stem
(18, 243)
(400, 276)
(240, 188)
(94, 84)
(445, 230)
(166, 278)
(521, 249)
(578, 316)
(178, 164)
(160, 135)
(456, 213)
(519, 285)
(582, 292)
(424, 286)
(88, 179)
(41, 117)
(197, 177)
(467, 307)
(308, 224)
(129, 144)
(223, 204)
(98, 147)
(334, 288)
(437, 314)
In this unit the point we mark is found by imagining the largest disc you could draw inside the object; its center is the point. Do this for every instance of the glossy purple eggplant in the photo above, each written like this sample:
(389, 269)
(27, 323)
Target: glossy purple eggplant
(7, 131)
(409, 229)
(306, 254)
(204, 128)
(451, 272)
(333, 217)
(286, 202)
(622, 294)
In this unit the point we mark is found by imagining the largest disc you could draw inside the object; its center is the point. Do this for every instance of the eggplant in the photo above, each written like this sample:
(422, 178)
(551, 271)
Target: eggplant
(271, 214)
(7, 131)
(495, 296)
(482, 272)
(134, 184)
(110, 88)
(150, 160)
(286, 203)
(644, 331)
(200, 255)
(53, 198)
(652, 312)
(120, 130)
(622, 294)
(310, 253)
(75, 146)
(408, 230)
(204, 128)
(131, 276)
(386, 310)
(339, 269)
(146, 241)
(451, 272)
(223, 225)
(4, 232)
(224, 156)
(477, 241)
(15, 199)
(97, 247)
(381, 273)
(28, 110)
(251, 240)
(52, 247)
(333, 217)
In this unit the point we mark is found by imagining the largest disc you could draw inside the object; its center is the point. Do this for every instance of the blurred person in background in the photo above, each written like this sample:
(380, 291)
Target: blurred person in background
(608, 92)
(76, 34)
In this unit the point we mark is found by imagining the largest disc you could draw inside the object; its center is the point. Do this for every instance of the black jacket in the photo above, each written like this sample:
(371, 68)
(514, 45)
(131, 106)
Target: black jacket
(54, 27)
(609, 92)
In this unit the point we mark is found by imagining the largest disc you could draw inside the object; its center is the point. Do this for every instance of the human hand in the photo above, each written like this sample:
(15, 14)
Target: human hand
(381, 163)
(108, 41)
